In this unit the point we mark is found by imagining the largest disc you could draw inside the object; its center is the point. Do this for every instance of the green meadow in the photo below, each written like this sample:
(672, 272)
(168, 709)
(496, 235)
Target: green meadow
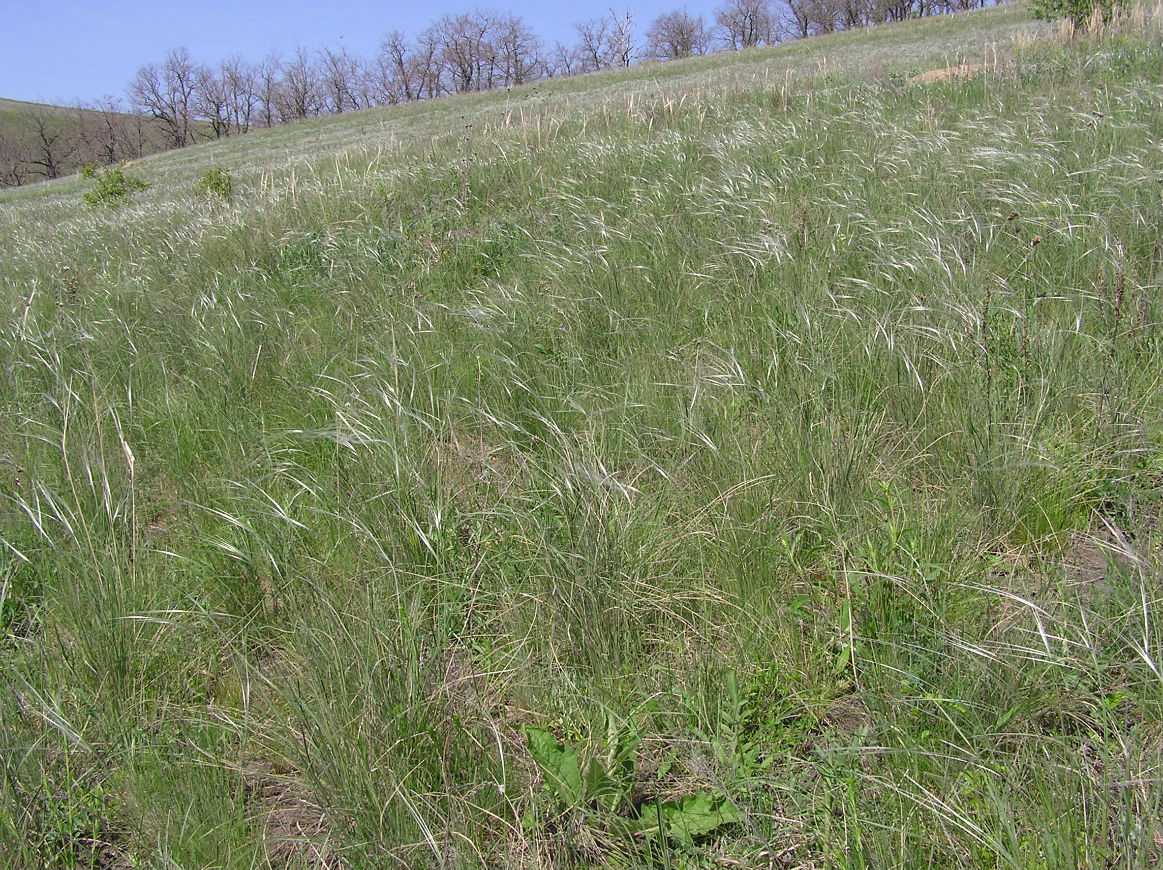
(753, 461)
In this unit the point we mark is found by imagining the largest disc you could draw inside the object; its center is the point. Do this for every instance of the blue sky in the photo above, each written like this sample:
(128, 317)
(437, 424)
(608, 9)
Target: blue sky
(61, 51)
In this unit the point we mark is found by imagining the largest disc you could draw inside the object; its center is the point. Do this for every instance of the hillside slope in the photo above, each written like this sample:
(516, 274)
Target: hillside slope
(40, 140)
(755, 461)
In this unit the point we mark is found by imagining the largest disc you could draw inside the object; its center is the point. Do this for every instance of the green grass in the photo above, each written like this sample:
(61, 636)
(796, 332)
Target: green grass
(763, 427)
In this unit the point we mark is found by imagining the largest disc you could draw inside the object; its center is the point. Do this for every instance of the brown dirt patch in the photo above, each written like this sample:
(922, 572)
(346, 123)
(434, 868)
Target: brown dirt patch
(472, 469)
(296, 832)
(848, 715)
(946, 74)
(1089, 559)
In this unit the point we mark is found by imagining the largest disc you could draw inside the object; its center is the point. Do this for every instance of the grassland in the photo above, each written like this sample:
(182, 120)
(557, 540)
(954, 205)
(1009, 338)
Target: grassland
(781, 435)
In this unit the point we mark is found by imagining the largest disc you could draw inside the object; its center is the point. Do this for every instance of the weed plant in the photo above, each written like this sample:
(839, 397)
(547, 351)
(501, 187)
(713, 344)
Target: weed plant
(774, 438)
(112, 187)
(216, 182)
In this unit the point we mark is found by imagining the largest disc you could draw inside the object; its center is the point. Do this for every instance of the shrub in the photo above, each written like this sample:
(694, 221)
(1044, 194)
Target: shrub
(1078, 11)
(216, 182)
(113, 188)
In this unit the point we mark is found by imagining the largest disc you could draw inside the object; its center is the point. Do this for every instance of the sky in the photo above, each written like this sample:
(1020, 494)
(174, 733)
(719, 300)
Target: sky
(66, 51)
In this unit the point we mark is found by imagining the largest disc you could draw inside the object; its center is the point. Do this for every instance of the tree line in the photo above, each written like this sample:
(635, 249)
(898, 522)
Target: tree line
(177, 101)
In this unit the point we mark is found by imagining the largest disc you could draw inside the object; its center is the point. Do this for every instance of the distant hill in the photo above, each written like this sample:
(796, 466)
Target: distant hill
(12, 107)
(40, 141)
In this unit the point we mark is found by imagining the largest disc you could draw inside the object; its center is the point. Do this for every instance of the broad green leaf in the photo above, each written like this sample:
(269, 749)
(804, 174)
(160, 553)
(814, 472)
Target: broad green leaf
(683, 819)
(697, 814)
(596, 783)
(622, 740)
(843, 658)
(845, 629)
(558, 765)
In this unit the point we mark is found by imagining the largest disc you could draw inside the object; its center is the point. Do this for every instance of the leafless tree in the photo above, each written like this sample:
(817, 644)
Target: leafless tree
(564, 60)
(404, 71)
(166, 93)
(519, 53)
(622, 33)
(677, 34)
(746, 23)
(240, 81)
(607, 42)
(466, 50)
(14, 165)
(828, 15)
(107, 131)
(856, 13)
(394, 71)
(797, 18)
(341, 79)
(431, 77)
(593, 45)
(53, 137)
(300, 94)
(211, 102)
(268, 77)
(474, 51)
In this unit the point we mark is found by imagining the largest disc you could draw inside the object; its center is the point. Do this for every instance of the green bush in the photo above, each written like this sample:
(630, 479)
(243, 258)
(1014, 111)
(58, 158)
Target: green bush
(216, 182)
(113, 188)
(1078, 11)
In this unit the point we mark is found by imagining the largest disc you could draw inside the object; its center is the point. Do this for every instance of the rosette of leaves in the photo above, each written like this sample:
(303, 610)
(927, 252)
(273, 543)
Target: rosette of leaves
(601, 791)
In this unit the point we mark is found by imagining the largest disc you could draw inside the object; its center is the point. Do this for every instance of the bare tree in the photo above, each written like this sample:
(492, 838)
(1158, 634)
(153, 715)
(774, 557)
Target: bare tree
(393, 71)
(900, 10)
(53, 137)
(300, 94)
(14, 165)
(403, 72)
(564, 60)
(746, 23)
(211, 102)
(622, 34)
(677, 34)
(828, 15)
(141, 136)
(797, 18)
(341, 79)
(802, 18)
(228, 97)
(427, 63)
(604, 43)
(107, 132)
(856, 13)
(519, 53)
(466, 50)
(593, 45)
(240, 81)
(268, 77)
(166, 93)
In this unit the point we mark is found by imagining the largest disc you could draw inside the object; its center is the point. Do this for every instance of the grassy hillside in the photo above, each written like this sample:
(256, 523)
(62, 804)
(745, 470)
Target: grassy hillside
(38, 139)
(755, 461)
(10, 110)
